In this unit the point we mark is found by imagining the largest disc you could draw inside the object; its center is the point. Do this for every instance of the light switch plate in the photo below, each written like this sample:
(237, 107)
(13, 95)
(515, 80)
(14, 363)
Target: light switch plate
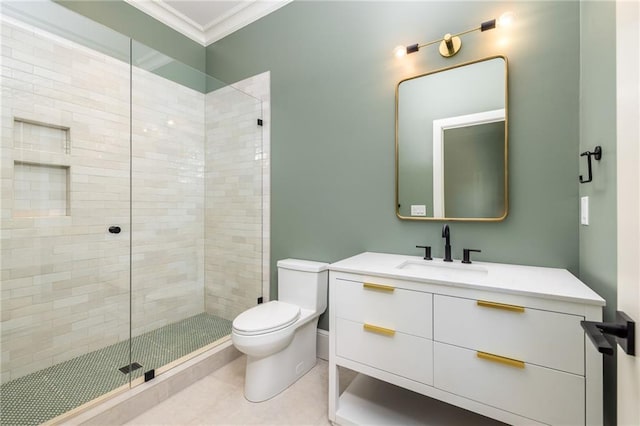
(418, 210)
(584, 210)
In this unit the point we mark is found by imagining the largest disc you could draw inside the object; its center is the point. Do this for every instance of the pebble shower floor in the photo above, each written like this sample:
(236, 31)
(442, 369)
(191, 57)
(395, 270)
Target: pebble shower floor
(48, 393)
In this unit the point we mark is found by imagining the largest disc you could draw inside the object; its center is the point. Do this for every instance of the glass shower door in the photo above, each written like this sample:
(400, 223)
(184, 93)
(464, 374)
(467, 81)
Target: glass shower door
(196, 209)
(236, 220)
(132, 209)
(65, 213)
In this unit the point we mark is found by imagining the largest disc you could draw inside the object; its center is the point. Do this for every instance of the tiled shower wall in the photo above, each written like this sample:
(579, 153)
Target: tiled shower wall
(65, 279)
(65, 286)
(168, 202)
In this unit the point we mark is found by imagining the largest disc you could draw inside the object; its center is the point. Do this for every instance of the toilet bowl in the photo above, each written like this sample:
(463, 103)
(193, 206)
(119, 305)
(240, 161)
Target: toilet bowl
(279, 337)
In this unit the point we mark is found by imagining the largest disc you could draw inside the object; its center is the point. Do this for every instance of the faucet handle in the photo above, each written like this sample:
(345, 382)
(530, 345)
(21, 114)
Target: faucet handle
(466, 254)
(427, 252)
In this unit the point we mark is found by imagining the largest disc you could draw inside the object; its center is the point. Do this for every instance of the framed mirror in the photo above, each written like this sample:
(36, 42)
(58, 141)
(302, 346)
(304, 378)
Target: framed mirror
(451, 143)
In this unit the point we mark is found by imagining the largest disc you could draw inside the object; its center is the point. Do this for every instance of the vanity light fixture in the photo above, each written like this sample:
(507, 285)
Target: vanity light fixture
(450, 44)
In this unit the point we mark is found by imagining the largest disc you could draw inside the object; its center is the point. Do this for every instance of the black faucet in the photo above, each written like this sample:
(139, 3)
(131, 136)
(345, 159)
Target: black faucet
(447, 243)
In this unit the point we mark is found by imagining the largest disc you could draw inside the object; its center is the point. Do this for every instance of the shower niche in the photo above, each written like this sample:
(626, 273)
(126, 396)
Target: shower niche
(40, 190)
(41, 137)
(41, 176)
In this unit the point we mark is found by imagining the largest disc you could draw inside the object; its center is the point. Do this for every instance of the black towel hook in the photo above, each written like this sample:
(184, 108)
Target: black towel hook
(597, 154)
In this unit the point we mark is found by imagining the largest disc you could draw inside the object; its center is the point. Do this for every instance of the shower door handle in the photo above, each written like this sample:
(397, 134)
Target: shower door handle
(114, 229)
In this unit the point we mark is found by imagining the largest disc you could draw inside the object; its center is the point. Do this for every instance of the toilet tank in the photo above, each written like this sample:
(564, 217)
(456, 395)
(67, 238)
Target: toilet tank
(303, 283)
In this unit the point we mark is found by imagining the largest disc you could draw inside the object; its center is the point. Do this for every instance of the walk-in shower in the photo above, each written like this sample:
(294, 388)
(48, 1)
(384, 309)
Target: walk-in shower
(133, 210)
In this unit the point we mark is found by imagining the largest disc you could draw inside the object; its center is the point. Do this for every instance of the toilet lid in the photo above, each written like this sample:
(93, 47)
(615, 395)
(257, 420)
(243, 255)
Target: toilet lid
(270, 316)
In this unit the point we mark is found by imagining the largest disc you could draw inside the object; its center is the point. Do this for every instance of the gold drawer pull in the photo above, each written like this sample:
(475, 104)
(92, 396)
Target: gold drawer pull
(495, 305)
(500, 359)
(380, 287)
(379, 330)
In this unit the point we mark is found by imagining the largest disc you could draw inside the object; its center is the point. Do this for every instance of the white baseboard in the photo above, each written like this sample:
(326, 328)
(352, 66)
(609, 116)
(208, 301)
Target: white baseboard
(322, 344)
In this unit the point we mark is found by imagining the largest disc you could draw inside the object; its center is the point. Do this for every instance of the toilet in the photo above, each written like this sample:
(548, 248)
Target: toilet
(279, 337)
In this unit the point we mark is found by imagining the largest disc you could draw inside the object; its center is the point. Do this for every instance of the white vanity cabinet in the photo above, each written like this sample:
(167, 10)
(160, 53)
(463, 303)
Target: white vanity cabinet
(370, 330)
(503, 341)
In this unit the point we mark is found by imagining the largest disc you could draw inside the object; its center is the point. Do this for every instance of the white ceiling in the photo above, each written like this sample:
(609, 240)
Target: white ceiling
(207, 21)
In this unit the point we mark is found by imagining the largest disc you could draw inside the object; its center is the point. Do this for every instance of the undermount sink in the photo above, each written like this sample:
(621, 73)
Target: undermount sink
(437, 267)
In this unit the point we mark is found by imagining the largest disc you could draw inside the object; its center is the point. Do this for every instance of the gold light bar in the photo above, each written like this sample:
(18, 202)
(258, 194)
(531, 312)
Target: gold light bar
(450, 44)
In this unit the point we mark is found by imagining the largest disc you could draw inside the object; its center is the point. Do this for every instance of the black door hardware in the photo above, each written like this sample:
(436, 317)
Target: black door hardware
(602, 334)
(114, 229)
(597, 154)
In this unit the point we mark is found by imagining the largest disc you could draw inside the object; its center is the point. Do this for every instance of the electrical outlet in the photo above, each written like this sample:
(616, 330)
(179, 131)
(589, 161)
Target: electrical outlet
(418, 210)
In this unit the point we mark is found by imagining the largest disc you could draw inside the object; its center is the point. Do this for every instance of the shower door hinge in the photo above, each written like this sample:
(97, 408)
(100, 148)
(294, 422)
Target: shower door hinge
(259, 121)
(149, 375)
(260, 300)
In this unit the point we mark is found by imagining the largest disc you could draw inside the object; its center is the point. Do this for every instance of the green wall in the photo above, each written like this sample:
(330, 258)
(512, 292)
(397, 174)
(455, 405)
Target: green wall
(133, 23)
(598, 243)
(155, 48)
(333, 79)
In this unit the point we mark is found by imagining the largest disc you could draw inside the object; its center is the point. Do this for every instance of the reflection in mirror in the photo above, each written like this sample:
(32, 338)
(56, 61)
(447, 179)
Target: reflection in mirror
(451, 143)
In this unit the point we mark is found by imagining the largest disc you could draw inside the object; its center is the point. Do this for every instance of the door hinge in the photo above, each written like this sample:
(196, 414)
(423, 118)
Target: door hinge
(148, 375)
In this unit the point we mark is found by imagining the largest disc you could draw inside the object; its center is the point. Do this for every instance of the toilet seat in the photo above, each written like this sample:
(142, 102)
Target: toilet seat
(266, 318)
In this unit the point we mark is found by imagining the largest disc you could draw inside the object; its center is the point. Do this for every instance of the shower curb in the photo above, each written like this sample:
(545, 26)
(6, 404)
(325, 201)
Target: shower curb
(133, 402)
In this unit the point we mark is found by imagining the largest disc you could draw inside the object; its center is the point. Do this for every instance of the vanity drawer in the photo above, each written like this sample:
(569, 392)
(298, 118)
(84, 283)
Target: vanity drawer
(542, 394)
(545, 338)
(398, 353)
(403, 310)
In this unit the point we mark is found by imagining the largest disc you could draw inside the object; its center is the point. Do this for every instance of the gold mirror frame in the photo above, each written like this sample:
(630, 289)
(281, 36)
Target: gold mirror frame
(506, 147)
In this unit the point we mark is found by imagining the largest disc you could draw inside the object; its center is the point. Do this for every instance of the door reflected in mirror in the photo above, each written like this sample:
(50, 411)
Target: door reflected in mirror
(451, 143)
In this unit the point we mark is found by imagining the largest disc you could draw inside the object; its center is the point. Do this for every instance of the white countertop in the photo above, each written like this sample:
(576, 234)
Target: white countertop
(553, 283)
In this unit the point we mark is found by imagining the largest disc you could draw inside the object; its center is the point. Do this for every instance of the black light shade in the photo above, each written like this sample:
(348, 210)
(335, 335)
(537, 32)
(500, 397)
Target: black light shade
(412, 48)
(488, 25)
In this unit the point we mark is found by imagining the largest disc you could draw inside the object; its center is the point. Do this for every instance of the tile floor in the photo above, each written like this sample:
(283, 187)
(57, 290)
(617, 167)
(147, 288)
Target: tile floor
(218, 399)
(45, 394)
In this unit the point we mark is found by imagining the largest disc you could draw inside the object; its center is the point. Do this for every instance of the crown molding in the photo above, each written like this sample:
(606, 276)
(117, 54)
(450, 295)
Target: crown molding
(243, 14)
(239, 17)
(166, 14)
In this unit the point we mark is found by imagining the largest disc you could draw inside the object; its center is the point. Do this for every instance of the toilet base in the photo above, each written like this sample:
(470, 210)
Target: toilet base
(266, 377)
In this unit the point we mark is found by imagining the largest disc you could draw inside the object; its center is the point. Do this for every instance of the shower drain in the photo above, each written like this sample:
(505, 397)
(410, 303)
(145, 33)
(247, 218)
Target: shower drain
(129, 368)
